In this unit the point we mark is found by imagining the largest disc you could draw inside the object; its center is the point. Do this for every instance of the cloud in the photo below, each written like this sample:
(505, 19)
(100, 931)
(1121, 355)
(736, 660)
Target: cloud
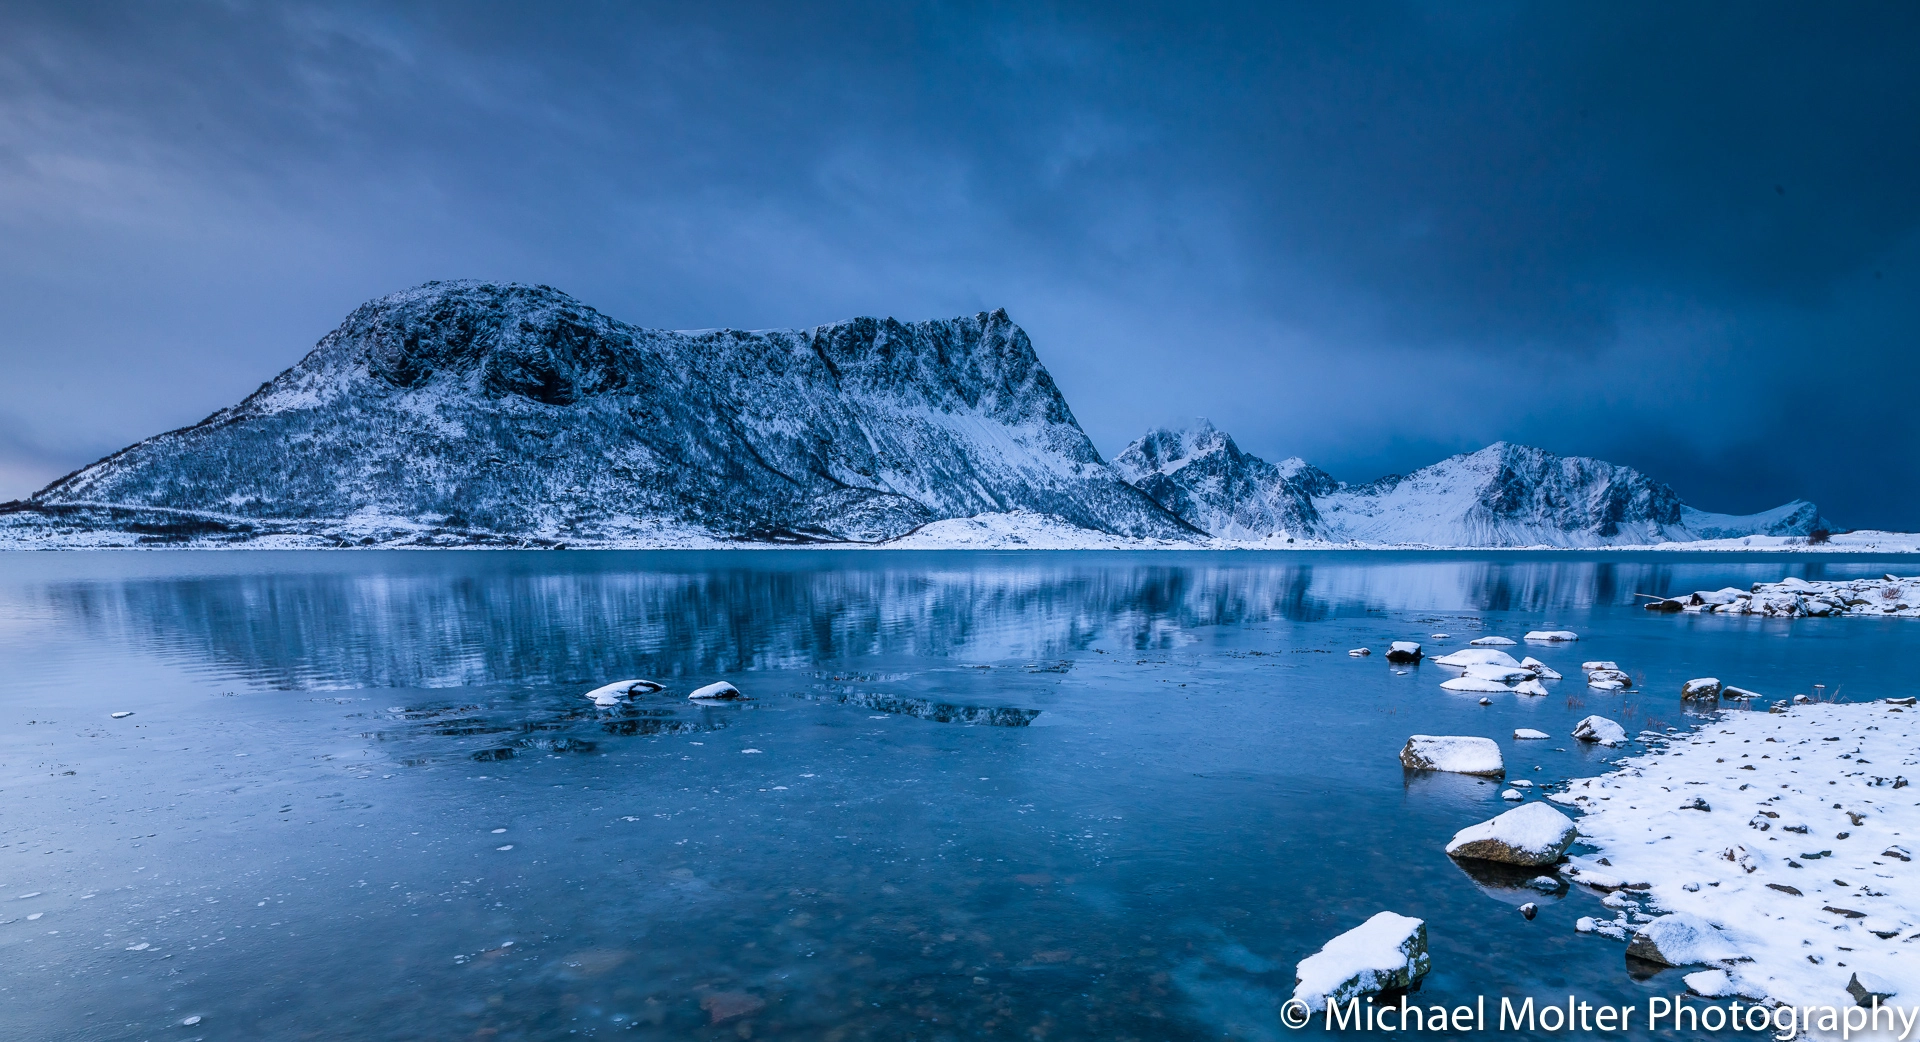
(1361, 233)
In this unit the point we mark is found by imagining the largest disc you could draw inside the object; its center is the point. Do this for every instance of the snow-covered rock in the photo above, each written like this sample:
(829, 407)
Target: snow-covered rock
(1360, 652)
(1681, 939)
(1600, 730)
(1492, 642)
(621, 690)
(1869, 989)
(1471, 685)
(720, 691)
(1513, 795)
(1528, 734)
(1388, 951)
(1533, 834)
(1403, 651)
(1553, 636)
(1702, 689)
(1476, 657)
(1539, 669)
(1457, 754)
(1530, 687)
(1593, 664)
(1500, 674)
(1608, 679)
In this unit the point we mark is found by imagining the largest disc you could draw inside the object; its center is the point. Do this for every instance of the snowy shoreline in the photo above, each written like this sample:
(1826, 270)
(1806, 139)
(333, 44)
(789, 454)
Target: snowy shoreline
(1018, 530)
(1792, 833)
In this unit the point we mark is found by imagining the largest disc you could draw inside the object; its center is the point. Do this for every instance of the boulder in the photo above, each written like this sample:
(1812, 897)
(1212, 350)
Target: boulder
(1608, 679)
(1553, 636)
(720, 692)
(1500, 674)
(1360, 652)
(1870, 989)
(1531, 834)
(1588, 667)
(1600, 730)
(1539, 669)
(1493, 642)
(1456, 754)
(1704, 689)
(1470, 685)
(1528, 734)
(1530, 687)
(1476, 657)
(621, 690)
(1512, 795)
(1681, 939)
(1403, 651)
(1387, 952)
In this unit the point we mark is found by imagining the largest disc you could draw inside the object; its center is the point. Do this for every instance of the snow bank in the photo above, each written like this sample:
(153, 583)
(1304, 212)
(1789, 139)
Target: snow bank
(1454, 753)
(1808, 920)
(1387, 951)
(1535, 834)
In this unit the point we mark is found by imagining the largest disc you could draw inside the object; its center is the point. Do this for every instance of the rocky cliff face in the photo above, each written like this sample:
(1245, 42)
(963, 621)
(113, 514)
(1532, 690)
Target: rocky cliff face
(1200, 475)
(1503, 495)
(506, 411)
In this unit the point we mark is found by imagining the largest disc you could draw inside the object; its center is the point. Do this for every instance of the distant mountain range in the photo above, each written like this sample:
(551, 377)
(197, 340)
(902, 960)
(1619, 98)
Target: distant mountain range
(471, 413)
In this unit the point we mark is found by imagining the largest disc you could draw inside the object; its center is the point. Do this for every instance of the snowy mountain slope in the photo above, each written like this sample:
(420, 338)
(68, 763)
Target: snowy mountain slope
(493, 411)
(1503, 495)
(1200, 475)
(1796, 518)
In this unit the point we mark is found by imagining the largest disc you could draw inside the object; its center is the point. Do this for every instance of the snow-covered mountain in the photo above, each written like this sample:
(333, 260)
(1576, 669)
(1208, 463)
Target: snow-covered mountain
(472, 411)
(1199, 474)
(1503, 495)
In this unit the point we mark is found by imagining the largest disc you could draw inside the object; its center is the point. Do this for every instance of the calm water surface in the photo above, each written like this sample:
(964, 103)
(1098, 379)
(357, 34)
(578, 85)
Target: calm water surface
(360, 796)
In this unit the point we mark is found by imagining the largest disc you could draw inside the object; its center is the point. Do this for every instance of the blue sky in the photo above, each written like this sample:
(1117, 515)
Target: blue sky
(1682, 237)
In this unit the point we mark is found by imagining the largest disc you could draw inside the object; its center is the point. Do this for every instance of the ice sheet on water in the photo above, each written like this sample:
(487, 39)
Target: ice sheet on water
(927, 709)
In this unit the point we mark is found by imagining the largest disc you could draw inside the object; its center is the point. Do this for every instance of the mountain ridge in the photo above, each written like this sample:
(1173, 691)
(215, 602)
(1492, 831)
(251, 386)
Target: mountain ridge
(472, 413)
(1502, 495)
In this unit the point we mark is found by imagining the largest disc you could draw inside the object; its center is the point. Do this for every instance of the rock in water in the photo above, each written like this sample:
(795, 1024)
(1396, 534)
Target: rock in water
(1477, 657)
(1681, 939)
(719, 692)
(1528, 734)
(1530, 687)
(1540, 669)
(1553, 636)
(1529, 910)
(1360, 652)
(1493, 642)
(1455, 754)
(1704, 689)
(1533, 834)
(1601, 730)
(621, 690)
(1403, 651)
(1473, 684)
(1388, 951)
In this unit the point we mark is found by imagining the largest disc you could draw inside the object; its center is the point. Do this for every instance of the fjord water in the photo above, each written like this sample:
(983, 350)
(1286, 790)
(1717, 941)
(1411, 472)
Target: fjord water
(360, 797)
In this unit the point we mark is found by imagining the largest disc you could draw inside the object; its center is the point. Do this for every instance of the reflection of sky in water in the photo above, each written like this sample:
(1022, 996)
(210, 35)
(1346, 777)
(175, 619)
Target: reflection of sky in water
(1208, 793)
